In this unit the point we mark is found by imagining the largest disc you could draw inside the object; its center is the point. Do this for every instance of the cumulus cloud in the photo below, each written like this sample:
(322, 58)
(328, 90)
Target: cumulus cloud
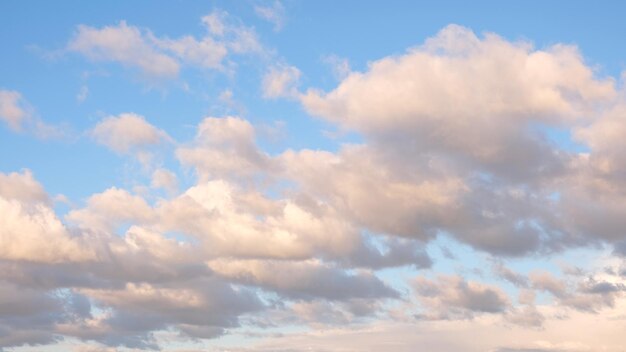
(127, 132)
(224, 146)
(472, 98)
(30, 230)
(22, 186)
(103, 210)
(487, 78)
(34, 233)
(453, 146)
(124, 44)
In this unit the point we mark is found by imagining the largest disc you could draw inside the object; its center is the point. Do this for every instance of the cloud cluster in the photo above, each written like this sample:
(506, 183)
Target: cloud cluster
(455, 143)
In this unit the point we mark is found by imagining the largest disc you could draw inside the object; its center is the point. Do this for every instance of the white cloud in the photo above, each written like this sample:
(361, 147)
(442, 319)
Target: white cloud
(308, 237)
(125, 44)
(30, 230)
(20, 116)
(273, 13)
(128, 132)
(204, 53)
(224, 146)
(164, 57)
(12, 110)
(472, 99)
(166, 179)
(22, 187)
(281, 81)
(103, 211)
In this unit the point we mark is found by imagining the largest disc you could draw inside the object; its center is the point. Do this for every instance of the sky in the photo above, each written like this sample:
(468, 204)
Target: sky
(327, 176)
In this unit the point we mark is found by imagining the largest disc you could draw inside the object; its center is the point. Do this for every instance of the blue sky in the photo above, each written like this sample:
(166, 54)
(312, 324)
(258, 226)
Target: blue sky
(327, 176)
(34, 37)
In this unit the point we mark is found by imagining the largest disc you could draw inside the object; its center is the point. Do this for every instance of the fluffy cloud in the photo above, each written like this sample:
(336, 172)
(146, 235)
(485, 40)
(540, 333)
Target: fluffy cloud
(163, 57)
(224, 147)
(103, 211)
(127, 132)
(454, 145)
(489, 79)
(124, 44)
(474, 100)
(22, 186)
(30, 230)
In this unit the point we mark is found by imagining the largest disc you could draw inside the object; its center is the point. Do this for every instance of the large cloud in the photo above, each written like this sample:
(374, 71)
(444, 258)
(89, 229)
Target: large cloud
(454, 145)
(474, 100)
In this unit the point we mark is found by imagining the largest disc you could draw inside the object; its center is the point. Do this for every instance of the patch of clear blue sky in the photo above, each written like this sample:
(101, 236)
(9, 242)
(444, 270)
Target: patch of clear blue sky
(360, 31)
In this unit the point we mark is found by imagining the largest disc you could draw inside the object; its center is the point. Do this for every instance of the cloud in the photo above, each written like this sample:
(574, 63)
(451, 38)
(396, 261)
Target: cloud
(125, 44)
(20, 116)
(103, 211)
(281, 81)
(340, 66)
(273, 13)
(481, 334)
(127, 132)
(589, 295)
(224, 146)
(12, 110)
(30, 230)
(452, 144)
(166, 179)
(452, 297)
(164, 57)
(207, 306)
(315, 280)
(509, 275)
(205, 52)
(29, 316)
(499, 89)
(22, 186)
